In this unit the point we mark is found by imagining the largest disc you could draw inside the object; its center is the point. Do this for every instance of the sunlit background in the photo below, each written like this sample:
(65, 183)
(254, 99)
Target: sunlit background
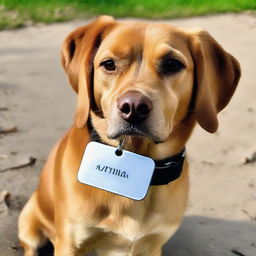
(17, 13)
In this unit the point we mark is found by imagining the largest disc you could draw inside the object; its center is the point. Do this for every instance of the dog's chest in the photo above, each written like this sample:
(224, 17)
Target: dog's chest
(129, 236)
(117, 224)
(131, 232)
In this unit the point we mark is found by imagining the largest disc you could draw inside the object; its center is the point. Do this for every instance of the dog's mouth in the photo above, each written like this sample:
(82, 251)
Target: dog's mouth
(134, 131)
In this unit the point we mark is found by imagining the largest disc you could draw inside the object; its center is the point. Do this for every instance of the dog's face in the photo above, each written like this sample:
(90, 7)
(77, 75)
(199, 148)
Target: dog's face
(146, 79)
(143, 80)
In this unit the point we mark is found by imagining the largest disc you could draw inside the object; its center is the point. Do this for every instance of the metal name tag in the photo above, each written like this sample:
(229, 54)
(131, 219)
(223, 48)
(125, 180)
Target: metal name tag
(127, 175)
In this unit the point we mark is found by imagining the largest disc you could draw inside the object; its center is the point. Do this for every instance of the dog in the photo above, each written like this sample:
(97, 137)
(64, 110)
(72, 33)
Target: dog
(149, 84)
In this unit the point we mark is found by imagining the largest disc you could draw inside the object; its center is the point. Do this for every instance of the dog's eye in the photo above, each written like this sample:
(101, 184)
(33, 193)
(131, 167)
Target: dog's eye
(170, 66)
(108, 65)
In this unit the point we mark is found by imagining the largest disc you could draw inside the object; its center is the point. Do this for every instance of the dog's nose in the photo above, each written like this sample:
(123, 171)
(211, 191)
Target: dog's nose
(134, 107)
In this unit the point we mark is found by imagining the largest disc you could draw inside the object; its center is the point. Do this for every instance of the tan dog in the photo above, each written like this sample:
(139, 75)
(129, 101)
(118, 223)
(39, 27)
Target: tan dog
(149, 83)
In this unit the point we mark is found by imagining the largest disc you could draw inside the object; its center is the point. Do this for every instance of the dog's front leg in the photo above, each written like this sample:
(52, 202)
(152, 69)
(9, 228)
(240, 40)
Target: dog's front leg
(65, 247)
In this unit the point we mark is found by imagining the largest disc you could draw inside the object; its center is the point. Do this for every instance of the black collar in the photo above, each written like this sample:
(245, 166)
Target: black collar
(166, 170)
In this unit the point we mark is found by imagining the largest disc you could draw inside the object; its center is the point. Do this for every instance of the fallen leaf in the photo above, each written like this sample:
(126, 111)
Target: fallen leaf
(237, 252)
(250, 159)
(31, 161)
(8, 130)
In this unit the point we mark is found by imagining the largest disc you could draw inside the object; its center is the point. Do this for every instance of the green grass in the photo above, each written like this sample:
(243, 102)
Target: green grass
(16, 13)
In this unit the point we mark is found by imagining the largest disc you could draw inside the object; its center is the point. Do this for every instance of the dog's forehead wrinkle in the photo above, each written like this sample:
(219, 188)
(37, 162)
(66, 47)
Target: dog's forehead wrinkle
(155, 33)
(125, 41)
(164, 34)
(138, 64)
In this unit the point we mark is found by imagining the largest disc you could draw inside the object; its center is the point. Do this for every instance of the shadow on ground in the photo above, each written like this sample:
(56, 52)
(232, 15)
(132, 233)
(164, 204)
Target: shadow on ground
(200, 236)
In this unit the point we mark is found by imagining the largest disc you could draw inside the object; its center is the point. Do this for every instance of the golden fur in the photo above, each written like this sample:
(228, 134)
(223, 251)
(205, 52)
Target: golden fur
(78, 218)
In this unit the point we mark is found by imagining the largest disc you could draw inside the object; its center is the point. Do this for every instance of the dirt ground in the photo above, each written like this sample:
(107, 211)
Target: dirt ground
(35, 98)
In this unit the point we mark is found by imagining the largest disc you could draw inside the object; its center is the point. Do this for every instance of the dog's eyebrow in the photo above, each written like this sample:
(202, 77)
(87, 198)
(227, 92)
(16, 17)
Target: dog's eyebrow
(164, 50)
(115, 54)
(121, 52)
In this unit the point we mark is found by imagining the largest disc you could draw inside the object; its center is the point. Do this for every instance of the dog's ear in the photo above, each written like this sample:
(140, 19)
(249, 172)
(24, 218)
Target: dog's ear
(77, 54)
(216, 76)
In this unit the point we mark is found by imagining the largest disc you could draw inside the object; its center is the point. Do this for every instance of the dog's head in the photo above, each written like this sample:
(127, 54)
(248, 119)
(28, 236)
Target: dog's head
(141, 79)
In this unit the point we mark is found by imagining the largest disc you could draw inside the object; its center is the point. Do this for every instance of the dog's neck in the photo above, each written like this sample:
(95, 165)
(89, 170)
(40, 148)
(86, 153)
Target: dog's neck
(144, 146)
